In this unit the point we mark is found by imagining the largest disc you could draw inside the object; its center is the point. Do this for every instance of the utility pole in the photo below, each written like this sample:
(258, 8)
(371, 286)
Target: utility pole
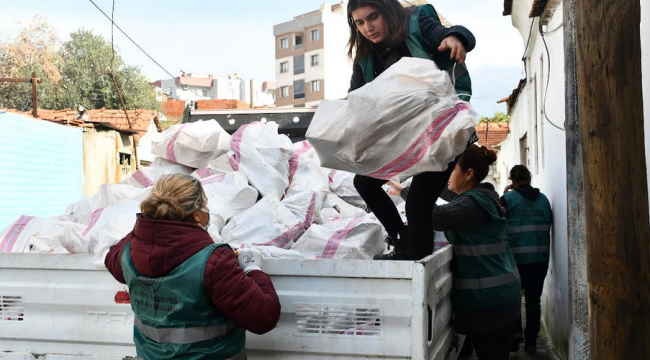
(251, 86)
(617, 226)
(34, 81)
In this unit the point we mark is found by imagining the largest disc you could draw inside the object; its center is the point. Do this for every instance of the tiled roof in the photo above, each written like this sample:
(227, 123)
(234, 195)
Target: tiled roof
(190, 81)
(507, 7)
(491, 134)
(115, 119)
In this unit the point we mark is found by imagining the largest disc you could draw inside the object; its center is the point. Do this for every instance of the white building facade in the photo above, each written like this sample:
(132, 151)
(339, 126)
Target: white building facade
(197, 86)
(537, 143)
(311, 61)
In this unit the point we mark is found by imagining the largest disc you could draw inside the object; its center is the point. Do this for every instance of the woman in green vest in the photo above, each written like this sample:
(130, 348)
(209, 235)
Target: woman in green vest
(486, 295)
(381, 33)
(529, 225)
(192, 299)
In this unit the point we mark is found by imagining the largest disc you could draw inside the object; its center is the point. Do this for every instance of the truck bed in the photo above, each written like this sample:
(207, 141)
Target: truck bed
(64, 307)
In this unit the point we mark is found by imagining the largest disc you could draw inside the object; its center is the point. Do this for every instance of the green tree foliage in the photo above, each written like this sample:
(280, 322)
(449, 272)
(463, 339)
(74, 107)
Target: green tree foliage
(75, 72)
(498, 117)
(87, 59)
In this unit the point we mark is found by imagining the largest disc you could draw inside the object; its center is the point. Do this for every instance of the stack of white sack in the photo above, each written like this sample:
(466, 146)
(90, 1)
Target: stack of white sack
(299, 214)
(192, 144)
(387, 134)
(258, 151)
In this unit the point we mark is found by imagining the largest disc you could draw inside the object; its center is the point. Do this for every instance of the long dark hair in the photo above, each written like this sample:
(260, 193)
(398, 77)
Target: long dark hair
(396, 19)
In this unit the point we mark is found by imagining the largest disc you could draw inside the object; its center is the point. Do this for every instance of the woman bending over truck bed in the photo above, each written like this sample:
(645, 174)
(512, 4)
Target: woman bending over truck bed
(486, 296)
(192, 298)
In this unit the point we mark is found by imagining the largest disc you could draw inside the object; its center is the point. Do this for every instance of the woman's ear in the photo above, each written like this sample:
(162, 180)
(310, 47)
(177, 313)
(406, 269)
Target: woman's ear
(195, 216)
(470, 174)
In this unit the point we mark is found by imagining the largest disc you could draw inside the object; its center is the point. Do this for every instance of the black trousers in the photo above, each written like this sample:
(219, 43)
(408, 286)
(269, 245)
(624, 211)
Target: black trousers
(532, 280)
(425, 190)
(494, 345)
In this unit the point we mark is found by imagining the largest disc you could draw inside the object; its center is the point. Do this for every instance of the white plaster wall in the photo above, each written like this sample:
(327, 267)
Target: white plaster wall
(338, 69)
(645, 69)
(549, 165)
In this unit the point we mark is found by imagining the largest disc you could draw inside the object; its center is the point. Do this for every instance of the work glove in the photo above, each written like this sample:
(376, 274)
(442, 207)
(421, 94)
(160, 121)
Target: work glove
(250, 259)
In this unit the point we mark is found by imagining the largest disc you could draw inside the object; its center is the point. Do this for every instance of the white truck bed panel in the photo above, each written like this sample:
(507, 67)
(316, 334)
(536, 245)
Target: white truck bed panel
(64, 307)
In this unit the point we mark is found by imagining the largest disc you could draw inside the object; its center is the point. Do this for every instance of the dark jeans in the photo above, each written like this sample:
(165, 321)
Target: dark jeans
(532, 280)
(494, 345)
(425, 190)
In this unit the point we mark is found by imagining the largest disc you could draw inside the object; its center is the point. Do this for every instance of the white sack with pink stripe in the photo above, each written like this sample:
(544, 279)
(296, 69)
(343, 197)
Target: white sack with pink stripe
(341, 183)
(146, 176)
(263, 156)
(108, 194)
(358, 238)
(228, 194)
(305, 172)
(271, 223)
(407, 121)
(192, 144)
(108, 226)
(37, 235)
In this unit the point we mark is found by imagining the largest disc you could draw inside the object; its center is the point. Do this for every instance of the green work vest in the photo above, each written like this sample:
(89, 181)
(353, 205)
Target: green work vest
(414, 42)
(529, 225)
(485, 272)
(174, 318)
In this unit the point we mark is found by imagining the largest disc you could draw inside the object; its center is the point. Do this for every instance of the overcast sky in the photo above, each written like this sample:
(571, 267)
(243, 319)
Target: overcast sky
(224, 36)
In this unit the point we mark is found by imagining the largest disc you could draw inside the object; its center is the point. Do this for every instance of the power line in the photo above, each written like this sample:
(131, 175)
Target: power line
(112, 42)
(530, 35)
(548, 80)
(136, 44)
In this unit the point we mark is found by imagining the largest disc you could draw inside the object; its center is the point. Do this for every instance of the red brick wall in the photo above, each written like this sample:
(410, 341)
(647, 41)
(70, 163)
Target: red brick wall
(221, 104)
(173, 107)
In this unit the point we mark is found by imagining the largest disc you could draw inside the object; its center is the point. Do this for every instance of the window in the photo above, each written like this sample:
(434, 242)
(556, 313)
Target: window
(204, 93)
(298, 43)
(299, 64)
(284, 43)
(284, 67)
(315, 35)
(542, 100)
(315, 86)
(315, 60)
(536, 120)
(284, 91)
(523, 151)
(299, 89)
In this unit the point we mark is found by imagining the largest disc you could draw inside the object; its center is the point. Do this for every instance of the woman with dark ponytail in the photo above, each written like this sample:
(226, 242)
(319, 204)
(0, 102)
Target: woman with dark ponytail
(486, 295)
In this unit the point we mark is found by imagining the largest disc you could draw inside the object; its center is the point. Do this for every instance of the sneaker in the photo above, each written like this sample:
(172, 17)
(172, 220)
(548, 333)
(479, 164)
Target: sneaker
(399, 243)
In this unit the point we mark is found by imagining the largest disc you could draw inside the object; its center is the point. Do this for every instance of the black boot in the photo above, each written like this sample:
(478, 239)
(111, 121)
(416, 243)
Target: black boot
(400, 246)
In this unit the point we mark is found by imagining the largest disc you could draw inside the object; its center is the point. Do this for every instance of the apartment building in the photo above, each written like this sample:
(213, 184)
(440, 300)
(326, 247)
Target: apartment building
(311, 61)
(196, 86)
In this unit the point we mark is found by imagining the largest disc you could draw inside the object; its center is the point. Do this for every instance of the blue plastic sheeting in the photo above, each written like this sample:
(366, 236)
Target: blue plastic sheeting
(41, 167)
